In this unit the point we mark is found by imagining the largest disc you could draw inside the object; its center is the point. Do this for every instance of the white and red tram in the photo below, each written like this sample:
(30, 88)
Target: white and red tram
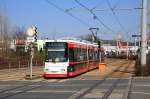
(65, 58)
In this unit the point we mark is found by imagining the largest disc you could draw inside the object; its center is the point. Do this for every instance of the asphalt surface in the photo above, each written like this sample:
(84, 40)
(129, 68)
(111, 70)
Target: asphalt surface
(140, 88)
(72, 88)
(89, 85)
(58, 89)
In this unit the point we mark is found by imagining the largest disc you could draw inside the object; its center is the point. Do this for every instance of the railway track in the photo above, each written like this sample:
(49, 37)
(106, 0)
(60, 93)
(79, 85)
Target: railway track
(124, 66)
(6, 93)
(115, 83)
(25, 87)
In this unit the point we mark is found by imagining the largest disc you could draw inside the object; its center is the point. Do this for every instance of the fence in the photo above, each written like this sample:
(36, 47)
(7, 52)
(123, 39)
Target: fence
(11, 63)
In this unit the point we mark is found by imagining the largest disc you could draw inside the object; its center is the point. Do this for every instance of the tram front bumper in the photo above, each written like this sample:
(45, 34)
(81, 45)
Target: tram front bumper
(55, 75)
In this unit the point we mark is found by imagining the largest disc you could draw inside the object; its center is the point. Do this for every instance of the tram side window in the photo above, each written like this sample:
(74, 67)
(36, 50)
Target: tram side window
(90, 55)
(71, 54)
(81, 53)
(75, 54)
(78, 55)
(84, 54)
(95, 55)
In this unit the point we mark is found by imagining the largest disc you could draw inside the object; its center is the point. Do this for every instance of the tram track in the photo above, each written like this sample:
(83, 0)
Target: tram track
(111, 63)
(111, 88)
(6, 93)
(114, 62)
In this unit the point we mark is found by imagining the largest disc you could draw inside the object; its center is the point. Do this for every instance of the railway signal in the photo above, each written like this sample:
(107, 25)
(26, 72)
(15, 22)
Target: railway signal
(32, 34)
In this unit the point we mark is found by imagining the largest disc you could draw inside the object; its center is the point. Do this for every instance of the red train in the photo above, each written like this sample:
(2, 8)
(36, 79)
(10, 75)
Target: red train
(65, 58)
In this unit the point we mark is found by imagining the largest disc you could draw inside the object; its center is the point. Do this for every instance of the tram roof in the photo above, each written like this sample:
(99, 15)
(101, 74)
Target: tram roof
(74, 41)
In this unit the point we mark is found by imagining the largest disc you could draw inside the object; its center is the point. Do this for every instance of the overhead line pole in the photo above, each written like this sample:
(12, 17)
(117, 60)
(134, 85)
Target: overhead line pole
(143, 36)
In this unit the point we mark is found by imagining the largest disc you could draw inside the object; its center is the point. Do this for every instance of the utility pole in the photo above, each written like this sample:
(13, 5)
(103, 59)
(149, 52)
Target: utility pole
(143, 36)
(127, 54)
(135, 46)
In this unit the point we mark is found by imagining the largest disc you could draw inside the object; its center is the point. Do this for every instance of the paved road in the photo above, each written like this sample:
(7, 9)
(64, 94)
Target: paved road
(58, 89)
(140, 88)
(15, 87)
(72, 88)
(86, 86)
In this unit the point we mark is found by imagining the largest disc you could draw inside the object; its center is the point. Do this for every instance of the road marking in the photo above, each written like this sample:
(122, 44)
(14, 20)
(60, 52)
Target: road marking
(63, 80)
(128, 88)
(142, 85)
(46, 91)
(117, 78)
(6, 85)
(77, 94)
(52, 80)
(140, 93)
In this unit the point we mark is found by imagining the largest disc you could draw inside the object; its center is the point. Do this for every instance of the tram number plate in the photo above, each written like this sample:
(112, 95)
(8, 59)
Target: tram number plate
(54, 71)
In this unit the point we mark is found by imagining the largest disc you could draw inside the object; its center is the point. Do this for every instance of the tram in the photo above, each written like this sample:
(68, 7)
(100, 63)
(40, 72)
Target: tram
(66, 58)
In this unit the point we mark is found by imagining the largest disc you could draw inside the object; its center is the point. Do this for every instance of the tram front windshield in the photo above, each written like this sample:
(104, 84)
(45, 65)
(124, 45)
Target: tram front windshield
(56, 52)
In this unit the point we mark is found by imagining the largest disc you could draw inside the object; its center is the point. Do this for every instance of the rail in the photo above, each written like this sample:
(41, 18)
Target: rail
(107, 94)
(4, 93)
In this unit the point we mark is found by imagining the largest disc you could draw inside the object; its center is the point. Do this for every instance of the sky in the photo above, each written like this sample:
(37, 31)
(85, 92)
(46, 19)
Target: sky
(55, 22)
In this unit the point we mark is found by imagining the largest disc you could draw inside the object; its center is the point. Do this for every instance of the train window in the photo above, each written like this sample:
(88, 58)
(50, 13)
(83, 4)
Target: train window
(56, 56)
(55, 44)
(90, 54)
(71, 54)
(77, 54)
(56, 52)
(84, 54)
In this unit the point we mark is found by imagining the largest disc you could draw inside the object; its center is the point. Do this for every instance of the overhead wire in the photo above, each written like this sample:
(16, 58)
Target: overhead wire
(115, 16)
(95, 16)
(97, 5)
(61, 9)
(115, 6)
(72, 8)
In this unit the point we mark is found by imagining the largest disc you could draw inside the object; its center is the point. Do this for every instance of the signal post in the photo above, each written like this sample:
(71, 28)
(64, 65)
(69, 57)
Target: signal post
(31, 39)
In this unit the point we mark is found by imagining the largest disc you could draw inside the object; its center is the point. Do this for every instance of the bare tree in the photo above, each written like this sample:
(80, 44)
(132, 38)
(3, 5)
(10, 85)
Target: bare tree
(4, 39)
(19, 33)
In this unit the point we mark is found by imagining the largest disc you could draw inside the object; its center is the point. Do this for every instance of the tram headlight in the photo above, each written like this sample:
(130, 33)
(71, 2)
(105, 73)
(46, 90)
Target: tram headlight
(46, 69)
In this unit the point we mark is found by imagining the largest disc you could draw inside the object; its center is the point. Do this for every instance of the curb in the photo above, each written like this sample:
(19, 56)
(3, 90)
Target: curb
(27, 77)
